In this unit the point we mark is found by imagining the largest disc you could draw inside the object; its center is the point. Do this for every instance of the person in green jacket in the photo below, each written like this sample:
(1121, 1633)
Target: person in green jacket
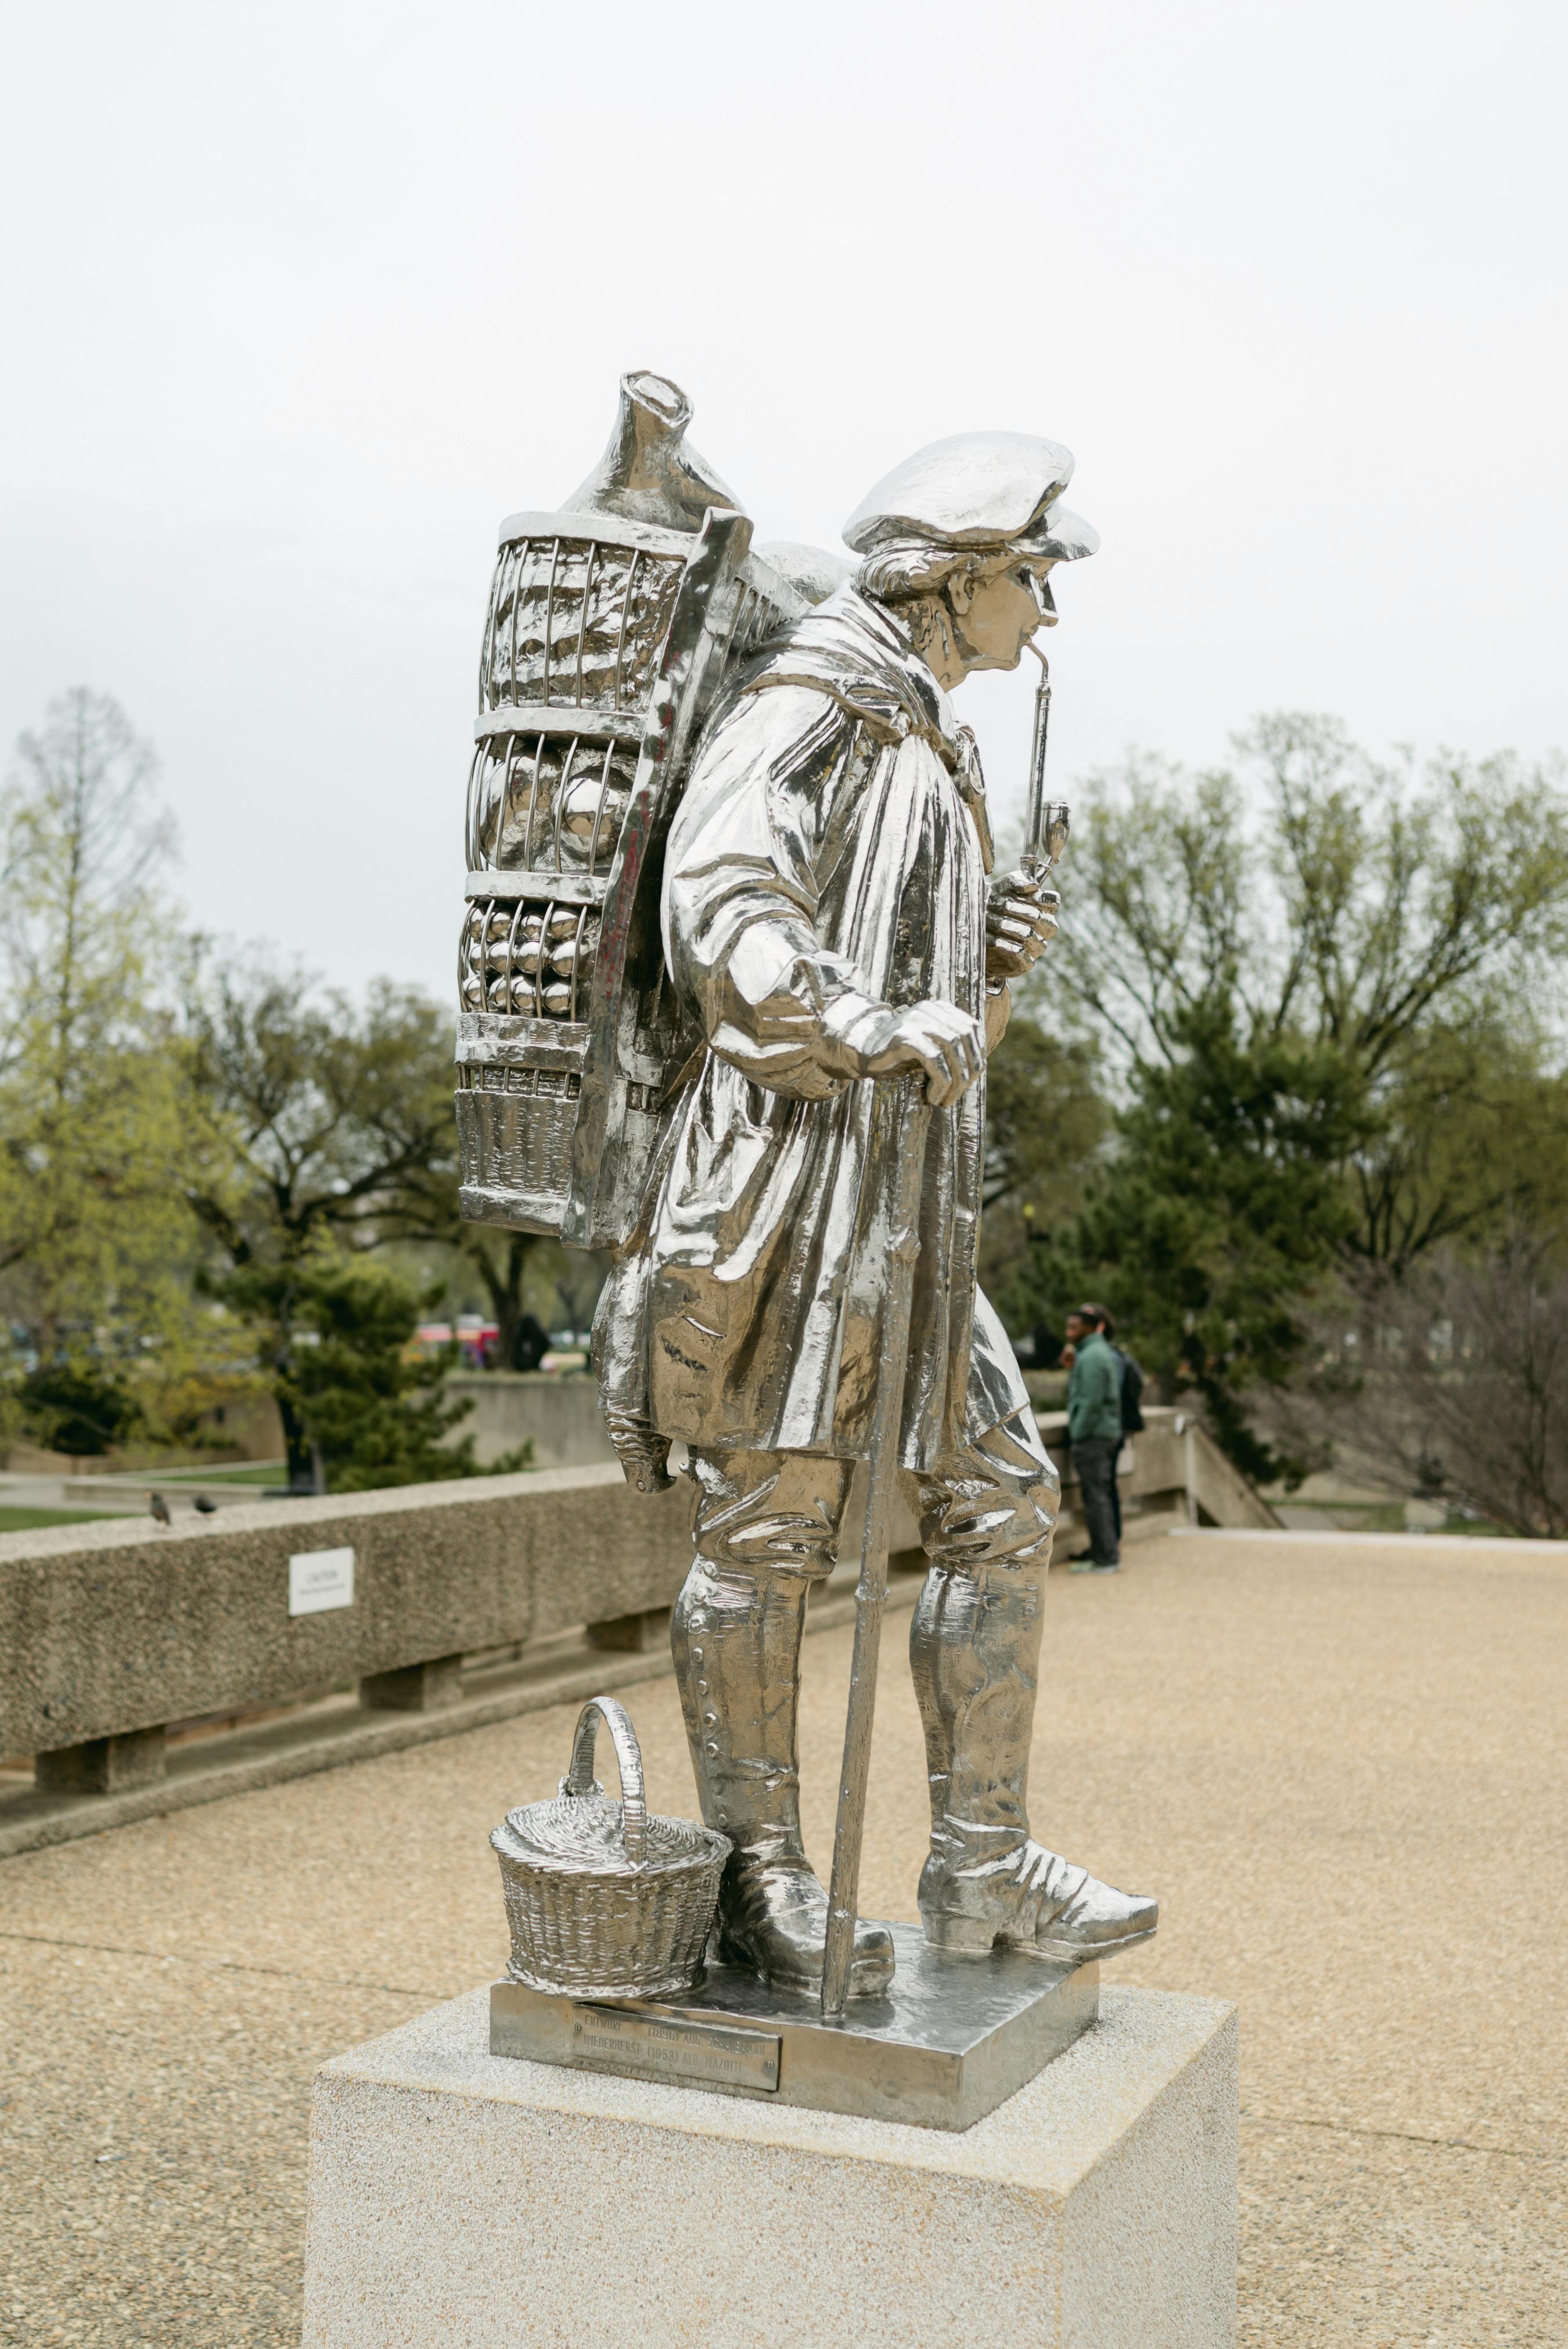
(1095, 1433)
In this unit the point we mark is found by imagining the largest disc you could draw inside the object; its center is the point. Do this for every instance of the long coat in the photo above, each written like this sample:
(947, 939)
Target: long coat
(831, 843)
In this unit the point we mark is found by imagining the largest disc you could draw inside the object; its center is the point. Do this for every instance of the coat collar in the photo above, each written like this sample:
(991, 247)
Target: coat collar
(861, 654)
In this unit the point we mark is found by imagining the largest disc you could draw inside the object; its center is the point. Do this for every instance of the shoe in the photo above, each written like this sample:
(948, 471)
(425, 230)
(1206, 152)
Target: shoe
(1107, 1566)
(974, 1648)
(1033, 1901)
(736, 1645)
(772, 1919)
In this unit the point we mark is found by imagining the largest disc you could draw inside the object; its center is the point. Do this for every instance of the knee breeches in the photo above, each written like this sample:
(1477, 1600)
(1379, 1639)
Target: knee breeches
(990, 1502)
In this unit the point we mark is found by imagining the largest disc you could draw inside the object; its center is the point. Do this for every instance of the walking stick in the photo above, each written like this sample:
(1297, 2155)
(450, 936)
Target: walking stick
(909, 1123)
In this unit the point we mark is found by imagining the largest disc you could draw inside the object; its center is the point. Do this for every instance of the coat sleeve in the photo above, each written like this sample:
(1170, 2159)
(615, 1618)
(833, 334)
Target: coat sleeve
(740, 892)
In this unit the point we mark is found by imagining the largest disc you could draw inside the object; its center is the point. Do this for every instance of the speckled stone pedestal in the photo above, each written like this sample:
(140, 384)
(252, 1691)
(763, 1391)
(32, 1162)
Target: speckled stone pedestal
(466, 2201)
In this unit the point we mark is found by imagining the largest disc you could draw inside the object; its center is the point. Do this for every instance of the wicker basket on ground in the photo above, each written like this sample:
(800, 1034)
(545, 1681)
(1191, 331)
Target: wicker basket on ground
(604, 1901)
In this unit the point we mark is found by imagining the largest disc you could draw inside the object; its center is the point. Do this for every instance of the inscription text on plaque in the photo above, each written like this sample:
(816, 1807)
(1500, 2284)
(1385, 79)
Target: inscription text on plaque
(681, 2051)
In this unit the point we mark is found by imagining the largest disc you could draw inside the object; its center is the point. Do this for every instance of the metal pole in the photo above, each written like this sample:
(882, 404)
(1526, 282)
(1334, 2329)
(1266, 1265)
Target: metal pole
(1036, 852)
(908, 1125)
(1045, 833)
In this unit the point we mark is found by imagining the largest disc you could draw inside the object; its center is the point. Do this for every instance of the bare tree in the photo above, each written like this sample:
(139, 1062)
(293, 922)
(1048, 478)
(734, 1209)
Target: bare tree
(1451, 1381)
(84, 846)
(1327, 892)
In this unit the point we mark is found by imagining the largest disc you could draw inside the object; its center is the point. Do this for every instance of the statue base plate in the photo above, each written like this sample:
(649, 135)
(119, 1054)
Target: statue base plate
(952, 2039)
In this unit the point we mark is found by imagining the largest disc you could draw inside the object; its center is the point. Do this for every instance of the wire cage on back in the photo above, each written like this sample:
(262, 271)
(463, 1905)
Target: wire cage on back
(605, 641)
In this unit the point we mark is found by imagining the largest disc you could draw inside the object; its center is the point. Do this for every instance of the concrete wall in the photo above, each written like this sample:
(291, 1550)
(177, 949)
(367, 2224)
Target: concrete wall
(114, 1628)
(110, 1629)
(559, 1416)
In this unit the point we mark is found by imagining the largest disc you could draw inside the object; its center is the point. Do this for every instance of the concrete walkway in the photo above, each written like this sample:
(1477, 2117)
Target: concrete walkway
(1341, 1765)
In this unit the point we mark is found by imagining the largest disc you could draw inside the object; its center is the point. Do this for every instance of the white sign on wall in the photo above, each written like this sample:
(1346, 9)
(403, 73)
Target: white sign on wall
(319, 1578)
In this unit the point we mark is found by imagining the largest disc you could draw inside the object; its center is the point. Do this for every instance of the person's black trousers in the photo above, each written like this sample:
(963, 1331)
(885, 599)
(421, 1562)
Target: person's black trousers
(1094, 1458)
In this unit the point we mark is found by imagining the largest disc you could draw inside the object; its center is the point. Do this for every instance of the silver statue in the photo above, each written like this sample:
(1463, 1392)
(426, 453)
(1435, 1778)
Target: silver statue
(795, 933)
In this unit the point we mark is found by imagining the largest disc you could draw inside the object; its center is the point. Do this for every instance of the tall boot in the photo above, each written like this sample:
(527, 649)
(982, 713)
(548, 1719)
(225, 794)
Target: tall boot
(974, 1646)
(736, 1641)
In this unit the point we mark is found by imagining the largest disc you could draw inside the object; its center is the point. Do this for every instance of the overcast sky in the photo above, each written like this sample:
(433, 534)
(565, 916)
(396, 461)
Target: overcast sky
(299, 301)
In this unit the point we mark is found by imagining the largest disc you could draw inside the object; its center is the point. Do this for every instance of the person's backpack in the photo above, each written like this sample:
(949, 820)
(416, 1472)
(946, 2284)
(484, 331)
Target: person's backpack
(1132, 1387)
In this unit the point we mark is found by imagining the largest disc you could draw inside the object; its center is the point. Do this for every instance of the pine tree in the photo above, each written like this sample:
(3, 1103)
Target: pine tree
(368, 1408)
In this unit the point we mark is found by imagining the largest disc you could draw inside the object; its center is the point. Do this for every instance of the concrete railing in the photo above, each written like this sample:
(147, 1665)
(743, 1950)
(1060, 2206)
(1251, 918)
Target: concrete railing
(1172, 1461)
(1175, 1465)
(108, 1632)
(111, 1634)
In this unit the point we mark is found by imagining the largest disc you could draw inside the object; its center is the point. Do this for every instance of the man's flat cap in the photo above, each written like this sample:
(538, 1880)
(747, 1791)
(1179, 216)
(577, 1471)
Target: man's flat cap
(979, 490)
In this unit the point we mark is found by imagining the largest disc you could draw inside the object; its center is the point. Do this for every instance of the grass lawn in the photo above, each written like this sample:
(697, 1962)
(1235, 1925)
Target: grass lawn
(264, 1471)
(24, 1521)
(1388, 1518)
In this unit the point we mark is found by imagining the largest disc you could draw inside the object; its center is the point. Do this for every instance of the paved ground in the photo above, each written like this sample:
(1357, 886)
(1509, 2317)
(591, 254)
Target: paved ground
(1341, 1765)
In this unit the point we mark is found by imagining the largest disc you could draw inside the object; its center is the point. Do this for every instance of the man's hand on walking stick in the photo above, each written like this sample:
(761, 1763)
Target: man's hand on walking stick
(880, 1040)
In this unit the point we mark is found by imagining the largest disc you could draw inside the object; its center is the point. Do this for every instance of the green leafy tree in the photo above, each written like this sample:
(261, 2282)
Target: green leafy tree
(316, 1117)
(1407, 917)
(423, 1209)
(1321, 982)
(78, 1407)
(1047, 1120)
(339, 1123)
(96, 1243)
(1470, 1140)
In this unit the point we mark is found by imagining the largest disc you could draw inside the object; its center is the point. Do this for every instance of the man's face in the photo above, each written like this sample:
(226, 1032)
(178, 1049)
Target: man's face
(1077, 1329)
(995, 616)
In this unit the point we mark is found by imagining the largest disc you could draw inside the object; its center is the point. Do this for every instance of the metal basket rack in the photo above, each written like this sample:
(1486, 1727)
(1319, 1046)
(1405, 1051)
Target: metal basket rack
(605, 643)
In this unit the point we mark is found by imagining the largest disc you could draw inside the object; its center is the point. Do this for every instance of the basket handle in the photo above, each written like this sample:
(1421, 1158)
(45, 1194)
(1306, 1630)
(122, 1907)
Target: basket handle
(579, 1778)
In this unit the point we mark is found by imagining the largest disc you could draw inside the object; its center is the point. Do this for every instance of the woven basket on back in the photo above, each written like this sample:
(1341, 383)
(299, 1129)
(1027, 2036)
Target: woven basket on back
(604, 1901)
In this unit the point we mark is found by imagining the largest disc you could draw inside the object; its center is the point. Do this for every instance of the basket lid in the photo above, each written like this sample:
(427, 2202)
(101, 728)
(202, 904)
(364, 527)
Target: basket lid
(586, 1834)
(582, 1831)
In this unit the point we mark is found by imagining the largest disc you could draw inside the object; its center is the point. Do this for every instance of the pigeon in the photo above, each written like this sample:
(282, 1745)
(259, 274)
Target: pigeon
(208, 1508)
(159, 1508)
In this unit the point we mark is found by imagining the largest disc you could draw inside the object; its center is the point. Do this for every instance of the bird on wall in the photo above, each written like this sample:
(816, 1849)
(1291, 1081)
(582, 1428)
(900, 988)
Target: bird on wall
(159, 1508)
(207, 1507)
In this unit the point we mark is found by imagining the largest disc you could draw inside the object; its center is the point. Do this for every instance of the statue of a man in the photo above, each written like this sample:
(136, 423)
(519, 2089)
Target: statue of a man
(828, 911)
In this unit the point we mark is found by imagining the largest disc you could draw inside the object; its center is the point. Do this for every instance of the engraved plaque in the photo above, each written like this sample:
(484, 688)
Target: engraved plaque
(319, 1579)
(694, 2052)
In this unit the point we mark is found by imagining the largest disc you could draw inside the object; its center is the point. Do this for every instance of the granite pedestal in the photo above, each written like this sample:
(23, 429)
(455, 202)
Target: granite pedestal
(477, 2201)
